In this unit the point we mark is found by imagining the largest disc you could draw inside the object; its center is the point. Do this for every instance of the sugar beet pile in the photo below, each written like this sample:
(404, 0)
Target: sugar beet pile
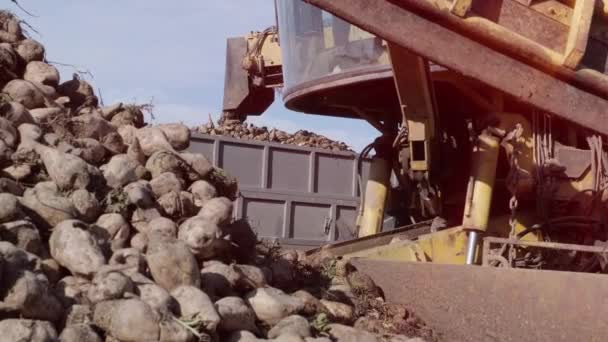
(110, 232)
(239, 130)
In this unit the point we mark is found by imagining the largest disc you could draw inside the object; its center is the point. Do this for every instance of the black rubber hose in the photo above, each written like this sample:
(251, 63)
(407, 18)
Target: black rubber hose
(362, 156)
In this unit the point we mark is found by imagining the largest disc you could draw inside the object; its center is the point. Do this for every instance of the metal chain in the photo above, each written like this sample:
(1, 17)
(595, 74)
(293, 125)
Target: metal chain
(402, 137)
(513, 176)
(513, 203)
(512, 182)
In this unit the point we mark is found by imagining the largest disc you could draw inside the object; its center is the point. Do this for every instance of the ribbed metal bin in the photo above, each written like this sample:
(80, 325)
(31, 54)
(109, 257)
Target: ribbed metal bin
(301, 196)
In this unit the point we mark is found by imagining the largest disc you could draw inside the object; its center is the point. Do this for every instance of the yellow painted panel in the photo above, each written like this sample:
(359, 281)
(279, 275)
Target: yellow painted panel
(400, 251)
(445, 247)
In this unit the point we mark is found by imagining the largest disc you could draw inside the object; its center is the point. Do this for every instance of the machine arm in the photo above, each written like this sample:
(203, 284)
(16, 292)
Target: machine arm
(253, 70)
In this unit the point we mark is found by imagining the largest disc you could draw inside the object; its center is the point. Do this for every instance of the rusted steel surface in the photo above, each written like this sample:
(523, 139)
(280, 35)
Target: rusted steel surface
(552, 8)
(578, 36)
(537, 29)
(488, 30)
(521, 31)
(455, 51)
(595, 64)
(524, 21)
(473, 303)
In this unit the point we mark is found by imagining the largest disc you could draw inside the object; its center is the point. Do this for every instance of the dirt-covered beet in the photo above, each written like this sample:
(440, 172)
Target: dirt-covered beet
(111, 231)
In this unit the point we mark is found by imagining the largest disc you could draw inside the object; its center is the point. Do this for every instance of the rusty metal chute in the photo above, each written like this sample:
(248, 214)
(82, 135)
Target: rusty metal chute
(499, 51)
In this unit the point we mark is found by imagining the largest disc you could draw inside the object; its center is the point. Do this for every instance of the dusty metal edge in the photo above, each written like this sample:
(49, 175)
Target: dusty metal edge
(474, 303)
(344, 247)
(322, 198)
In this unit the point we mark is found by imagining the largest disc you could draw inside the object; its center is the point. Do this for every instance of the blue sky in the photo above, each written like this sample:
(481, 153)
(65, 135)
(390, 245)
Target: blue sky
(170, 51)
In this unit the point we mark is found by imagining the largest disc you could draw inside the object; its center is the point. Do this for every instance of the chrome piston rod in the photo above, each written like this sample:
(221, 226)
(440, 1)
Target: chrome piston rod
(479, 193)
(472, 247)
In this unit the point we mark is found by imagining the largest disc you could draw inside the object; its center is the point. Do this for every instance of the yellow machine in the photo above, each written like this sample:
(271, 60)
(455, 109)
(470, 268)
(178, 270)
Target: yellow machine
(492, 116)
(253, 71)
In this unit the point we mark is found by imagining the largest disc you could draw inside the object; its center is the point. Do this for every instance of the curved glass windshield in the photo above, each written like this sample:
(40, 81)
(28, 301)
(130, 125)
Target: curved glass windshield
(315, 43)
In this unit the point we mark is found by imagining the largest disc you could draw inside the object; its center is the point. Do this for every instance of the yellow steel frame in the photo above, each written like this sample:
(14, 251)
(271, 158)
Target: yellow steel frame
(445, 247)
(374, 201)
